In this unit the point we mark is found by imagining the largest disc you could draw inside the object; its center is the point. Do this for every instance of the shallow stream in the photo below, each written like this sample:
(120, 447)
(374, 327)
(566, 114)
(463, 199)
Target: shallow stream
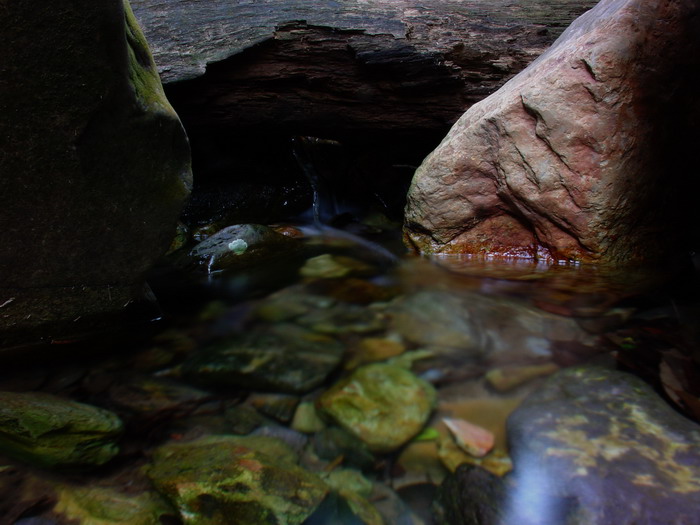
(362, 378)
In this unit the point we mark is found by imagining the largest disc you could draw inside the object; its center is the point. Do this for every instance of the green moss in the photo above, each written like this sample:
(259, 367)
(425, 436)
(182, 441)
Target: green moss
(143, 73)
(383, 405)
(219, 480)
(48, 431)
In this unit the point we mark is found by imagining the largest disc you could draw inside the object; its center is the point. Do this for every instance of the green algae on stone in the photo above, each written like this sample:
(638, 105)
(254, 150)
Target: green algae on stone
(143, 73)
(49, 431)
(384, 405)
(218, 481)
(329, 266)
(105, 506)
(607, 442)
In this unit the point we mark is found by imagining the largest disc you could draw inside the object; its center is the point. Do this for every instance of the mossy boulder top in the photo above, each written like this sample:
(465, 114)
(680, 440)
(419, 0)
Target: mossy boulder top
(50, 431)
(220, 480)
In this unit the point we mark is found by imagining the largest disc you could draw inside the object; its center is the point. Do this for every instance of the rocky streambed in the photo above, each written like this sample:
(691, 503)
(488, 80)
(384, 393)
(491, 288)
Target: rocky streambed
(311, 376)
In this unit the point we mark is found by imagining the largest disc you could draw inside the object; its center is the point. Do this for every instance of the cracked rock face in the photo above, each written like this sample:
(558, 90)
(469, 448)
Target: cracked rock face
(577, 157)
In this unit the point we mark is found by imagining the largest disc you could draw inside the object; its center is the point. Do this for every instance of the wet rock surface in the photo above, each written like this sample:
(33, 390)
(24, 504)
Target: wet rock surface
(475, 326)
(606, 449)
(103, 506)
(241, 245)
(49, 431)
(544, 167)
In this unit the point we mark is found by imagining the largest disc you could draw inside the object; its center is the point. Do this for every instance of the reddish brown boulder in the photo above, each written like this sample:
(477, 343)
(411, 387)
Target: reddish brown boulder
(580, 156)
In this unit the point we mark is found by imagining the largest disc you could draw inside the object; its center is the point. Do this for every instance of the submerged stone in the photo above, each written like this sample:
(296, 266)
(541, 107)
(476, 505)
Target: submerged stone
(608, 449)
(383, 405)
(496, 329)
(289, 303)
(329, 266)
(219, 481)
(105, 506)
(333, 442)
(149, 396)
(343, 318)
(49, 431)
(285, 358)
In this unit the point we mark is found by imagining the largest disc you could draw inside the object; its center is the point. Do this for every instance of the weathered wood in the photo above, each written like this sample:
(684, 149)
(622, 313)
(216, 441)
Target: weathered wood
(372, 63)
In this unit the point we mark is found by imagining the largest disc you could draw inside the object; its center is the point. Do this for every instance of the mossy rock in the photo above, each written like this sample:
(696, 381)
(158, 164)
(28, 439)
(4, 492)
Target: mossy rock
(49, 431)
(88, 505)
(383, 405)
(218, 481)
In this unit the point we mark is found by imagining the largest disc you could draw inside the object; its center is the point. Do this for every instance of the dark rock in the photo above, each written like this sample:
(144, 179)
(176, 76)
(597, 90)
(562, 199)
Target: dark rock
(95, 166)
(545, 167)
(242, 245)
(284, 358)
(599, 447)
(333, 442)
(470, 496)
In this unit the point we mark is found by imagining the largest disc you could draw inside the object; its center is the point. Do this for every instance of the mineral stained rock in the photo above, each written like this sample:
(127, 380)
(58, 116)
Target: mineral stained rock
(582, 156)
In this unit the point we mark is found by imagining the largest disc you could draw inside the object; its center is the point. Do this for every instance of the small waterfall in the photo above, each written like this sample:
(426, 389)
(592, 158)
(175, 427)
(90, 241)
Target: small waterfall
(324, 205)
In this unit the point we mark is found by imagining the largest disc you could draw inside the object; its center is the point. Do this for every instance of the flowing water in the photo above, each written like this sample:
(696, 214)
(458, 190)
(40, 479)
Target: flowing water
(267, 350)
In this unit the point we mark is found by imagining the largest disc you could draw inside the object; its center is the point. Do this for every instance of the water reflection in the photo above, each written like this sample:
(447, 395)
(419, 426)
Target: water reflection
(392, 389)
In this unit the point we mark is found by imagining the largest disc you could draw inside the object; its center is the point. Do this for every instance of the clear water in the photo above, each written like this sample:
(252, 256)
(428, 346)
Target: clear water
(485, 334)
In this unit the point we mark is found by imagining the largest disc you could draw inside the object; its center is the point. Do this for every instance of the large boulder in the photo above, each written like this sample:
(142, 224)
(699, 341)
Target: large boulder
(94, 164)
(591, 447)
(583, 156)
(603, 448)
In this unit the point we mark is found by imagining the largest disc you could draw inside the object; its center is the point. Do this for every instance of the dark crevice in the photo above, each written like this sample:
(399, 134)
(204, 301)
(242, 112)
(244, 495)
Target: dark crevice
(384, 104)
